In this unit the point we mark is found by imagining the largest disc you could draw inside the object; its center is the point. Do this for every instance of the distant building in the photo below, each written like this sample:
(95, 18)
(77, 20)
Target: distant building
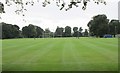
(46, 35)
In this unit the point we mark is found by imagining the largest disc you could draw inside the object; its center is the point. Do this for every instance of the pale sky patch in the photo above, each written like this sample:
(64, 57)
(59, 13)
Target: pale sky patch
(51, 17)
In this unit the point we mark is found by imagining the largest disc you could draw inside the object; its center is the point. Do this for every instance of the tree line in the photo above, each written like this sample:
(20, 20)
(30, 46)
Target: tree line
(98, 27)
(33, 31)
(66, 32)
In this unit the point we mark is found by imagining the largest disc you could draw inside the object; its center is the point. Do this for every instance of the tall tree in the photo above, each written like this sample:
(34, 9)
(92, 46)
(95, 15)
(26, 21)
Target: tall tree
(10, 31)
(75, 29)
(32, 31)
(25, 32)
(91, 28)
(39, 32)
(98, 26)
(67, 32)
(59, 32)
(80, 31)
(16, 31)
(86, 33)
(29, 31)
(114, 27)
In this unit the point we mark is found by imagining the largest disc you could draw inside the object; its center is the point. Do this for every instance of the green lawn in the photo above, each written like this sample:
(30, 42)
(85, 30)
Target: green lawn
(0, 55)
(60, 54)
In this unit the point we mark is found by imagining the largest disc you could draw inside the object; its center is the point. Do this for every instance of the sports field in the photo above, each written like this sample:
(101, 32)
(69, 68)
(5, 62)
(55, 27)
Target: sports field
(60, 54)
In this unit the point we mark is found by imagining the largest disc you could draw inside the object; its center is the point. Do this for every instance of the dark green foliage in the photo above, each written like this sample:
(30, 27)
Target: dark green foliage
(80, 32)
(39, 32)
(25, 31)
(59, 32)
(67, 32)
(75, 30)
(32, 31)
(114, 27)
(10, 31)
(99, 25)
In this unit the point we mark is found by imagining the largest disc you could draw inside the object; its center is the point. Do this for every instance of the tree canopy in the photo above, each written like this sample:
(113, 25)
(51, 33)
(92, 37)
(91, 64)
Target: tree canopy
(114, 27)
(100, 25)
(67, 32)
(75, 30)
(32, 31)
(59, 32)
(62, 4)
(9, 31)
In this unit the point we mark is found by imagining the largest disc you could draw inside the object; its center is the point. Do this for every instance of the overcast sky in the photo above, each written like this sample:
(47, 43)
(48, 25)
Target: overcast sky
(51, 17)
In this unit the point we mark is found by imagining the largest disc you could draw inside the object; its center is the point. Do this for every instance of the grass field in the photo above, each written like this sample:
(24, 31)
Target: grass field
(60, 54)
(0, 55)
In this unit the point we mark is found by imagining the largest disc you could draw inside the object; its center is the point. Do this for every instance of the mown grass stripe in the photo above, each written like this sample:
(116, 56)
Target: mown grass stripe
(53, 54)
